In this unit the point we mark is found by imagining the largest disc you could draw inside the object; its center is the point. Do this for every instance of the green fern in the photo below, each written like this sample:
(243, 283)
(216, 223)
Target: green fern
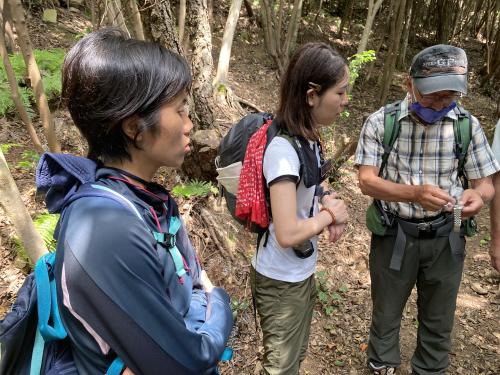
(45, 224)
(29, 159)
(194, 188)
(5, 147)
(49, 62)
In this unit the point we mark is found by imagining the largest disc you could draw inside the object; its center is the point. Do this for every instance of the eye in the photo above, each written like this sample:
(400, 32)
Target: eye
(184, 110)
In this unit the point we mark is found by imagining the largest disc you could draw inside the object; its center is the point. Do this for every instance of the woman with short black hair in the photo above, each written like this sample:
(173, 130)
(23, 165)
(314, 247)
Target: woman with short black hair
(129, 284)
(313, 94)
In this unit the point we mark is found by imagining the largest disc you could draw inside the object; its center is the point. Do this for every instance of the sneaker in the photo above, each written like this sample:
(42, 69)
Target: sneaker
(381, 370)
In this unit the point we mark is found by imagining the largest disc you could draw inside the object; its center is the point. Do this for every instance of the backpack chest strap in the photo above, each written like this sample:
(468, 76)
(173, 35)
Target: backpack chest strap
(168, 240)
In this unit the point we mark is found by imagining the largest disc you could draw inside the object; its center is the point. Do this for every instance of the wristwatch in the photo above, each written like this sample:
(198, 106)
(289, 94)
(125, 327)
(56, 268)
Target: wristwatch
(323, 193)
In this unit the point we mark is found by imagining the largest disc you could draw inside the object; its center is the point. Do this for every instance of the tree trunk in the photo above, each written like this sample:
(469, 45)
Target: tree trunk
(182, 19)
(13, 206)
(162, 26)
(476, 18)
(372, 12)
(248, 7)
(346, 16)
(115, 15)
(17, 12)
(6, 24)
(227, 41)
(406, 32)
(293, 30)
(136, 20)
(14, 90)
(446, 12)
(390, 60)
(279, 43)
(201, 63)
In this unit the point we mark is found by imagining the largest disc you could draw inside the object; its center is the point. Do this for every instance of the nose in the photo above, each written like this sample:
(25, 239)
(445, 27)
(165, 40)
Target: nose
(438, 105)
(188, 126)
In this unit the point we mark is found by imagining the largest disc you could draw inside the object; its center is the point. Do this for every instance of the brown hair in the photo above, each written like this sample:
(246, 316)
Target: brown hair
(313, 63)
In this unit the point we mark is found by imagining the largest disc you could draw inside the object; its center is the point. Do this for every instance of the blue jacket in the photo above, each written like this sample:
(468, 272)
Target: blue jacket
(118, 292)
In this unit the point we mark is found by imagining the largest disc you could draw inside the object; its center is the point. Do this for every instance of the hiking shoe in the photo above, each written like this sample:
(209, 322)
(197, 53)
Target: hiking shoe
(381, 370)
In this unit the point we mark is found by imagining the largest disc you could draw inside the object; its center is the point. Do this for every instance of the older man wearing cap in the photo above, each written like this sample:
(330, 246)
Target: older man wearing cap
(419, 175)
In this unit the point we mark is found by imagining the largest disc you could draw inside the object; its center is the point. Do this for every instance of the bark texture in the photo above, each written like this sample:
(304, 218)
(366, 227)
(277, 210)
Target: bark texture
(12, 204)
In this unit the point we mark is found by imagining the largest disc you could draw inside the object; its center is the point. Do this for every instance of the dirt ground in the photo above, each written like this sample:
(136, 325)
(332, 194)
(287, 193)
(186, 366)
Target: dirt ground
(341, 321)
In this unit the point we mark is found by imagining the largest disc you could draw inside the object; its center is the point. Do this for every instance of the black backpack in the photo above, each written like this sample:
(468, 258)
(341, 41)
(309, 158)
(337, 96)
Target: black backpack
(231, 154)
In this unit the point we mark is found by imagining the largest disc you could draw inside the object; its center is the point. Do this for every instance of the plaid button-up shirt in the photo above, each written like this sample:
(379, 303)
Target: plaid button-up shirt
(423, 154)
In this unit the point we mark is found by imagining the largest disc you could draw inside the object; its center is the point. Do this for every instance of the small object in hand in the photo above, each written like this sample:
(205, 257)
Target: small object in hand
(457, 217)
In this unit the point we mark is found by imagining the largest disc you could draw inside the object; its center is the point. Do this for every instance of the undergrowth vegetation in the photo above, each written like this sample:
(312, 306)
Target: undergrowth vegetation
(49, 62)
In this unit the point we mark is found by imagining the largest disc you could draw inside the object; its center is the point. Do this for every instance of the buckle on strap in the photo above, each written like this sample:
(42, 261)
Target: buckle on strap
(425, 226)
(166, 239)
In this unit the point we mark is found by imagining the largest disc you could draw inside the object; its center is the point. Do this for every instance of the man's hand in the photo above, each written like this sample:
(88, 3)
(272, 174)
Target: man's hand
(472, 202)
(432, 198)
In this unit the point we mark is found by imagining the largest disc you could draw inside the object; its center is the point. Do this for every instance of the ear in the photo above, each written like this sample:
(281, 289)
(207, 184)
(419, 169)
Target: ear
(129, 127)
(310, 95)
(409, 84)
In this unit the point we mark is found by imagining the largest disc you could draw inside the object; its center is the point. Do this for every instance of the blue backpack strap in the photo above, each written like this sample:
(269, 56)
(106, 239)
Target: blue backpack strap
(49, 320)
(169, 240)
(37, 354)
(49, 325)
(116, 367)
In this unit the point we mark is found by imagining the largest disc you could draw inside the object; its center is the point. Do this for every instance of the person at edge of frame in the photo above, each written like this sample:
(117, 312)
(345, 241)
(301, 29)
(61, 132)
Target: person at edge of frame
(495, 206)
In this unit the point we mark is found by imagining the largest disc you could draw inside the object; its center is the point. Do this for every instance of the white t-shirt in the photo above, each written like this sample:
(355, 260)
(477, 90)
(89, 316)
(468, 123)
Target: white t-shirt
(495, 146)
(273, 261)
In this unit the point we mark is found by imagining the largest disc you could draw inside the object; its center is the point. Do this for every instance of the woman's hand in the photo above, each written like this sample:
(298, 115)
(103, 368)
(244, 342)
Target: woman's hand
(205, 282)
(338, 207)
(335, 232)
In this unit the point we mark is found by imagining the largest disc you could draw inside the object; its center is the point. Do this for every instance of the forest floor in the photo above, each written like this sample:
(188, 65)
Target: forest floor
(341, 320)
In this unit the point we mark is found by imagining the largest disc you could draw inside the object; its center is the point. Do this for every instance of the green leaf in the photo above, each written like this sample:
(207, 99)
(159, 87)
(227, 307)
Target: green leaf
(322, 296)
(343, 289)
(7, 146)
(336, 297)
(339, 363)
(45, 224)
(193, 188)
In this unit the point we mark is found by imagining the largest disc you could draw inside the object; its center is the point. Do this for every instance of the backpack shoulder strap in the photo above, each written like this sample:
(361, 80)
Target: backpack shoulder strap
(294, 141)
(391, 131)
(462, 129)
(174, 223)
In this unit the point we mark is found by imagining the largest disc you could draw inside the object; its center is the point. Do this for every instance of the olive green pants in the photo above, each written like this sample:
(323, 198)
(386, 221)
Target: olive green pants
(285, 311)
(428, 263)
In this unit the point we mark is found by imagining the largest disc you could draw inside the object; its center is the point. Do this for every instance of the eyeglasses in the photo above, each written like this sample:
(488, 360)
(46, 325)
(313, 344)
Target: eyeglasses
(437, 98)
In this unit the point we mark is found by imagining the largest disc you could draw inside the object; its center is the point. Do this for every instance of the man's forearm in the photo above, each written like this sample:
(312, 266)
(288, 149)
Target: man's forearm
(388, 191)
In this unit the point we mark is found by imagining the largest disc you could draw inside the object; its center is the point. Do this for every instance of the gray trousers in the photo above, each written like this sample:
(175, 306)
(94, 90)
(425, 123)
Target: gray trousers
(428, 263)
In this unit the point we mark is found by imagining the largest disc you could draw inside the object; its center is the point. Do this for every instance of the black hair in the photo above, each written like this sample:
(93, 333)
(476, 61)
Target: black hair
(108, 78)
(314, 65)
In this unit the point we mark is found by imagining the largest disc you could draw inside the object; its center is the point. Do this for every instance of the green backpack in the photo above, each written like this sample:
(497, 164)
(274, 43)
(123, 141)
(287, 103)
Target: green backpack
(377, 220)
